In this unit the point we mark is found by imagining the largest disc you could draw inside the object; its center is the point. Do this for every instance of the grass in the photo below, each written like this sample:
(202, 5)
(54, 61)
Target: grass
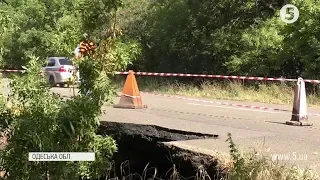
(256, 165)
(270, 92)
(254, 169)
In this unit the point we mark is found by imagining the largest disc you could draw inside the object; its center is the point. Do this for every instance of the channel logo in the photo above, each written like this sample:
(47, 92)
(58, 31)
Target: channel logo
(289, 13)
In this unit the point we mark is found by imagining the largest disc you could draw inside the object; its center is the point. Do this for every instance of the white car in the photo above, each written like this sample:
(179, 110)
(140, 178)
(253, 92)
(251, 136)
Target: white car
(59, 70)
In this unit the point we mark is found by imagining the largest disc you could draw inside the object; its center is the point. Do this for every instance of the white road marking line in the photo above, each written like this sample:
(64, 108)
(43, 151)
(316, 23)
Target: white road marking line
(233, 108)
(130, 96)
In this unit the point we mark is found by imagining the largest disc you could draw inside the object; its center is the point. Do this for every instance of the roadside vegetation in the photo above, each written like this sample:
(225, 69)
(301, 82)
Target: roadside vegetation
(262, 92)
(257, 165)
(227, 37)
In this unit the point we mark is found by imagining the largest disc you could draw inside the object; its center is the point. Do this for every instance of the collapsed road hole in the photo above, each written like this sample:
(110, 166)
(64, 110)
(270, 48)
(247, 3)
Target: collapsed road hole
(142, 146)
(149, 132)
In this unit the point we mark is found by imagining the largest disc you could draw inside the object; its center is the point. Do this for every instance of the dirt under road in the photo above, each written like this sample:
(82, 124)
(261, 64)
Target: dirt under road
(141, 147)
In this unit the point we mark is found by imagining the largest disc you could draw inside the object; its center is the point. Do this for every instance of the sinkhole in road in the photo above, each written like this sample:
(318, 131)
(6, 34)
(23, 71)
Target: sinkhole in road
(141, 149)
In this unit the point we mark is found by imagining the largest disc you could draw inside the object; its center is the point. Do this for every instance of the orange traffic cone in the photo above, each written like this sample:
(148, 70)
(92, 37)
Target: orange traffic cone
(130, 97)
(299, 112)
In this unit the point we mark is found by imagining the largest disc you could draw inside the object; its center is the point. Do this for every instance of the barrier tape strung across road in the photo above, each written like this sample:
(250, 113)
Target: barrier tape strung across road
(201, 75)
(218, 76)
(227, 104)
(11, 70)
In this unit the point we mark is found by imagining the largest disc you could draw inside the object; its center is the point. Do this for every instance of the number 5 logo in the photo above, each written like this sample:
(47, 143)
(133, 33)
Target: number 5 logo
(289, 13)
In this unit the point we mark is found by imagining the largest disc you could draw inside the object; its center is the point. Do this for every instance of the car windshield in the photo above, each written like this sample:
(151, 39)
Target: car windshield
(65, 62)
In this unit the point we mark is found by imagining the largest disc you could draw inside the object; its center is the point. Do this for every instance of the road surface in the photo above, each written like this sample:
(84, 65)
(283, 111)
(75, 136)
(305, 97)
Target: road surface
(250, 128)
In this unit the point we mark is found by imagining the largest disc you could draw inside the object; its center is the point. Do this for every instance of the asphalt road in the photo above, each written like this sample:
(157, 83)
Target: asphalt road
(250, 128)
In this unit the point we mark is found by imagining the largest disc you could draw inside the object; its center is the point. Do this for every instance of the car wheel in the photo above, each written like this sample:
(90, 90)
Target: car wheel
(61, 84)
(51, 81)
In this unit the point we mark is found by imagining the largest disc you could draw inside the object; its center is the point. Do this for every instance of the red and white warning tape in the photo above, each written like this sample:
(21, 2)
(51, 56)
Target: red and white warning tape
(218, 76)
(11, 70)
(211, 76)
(226, 104)
(202, 75)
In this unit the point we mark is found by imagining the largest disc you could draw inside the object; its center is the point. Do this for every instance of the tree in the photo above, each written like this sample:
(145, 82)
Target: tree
(225, 37)
(301, 46)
